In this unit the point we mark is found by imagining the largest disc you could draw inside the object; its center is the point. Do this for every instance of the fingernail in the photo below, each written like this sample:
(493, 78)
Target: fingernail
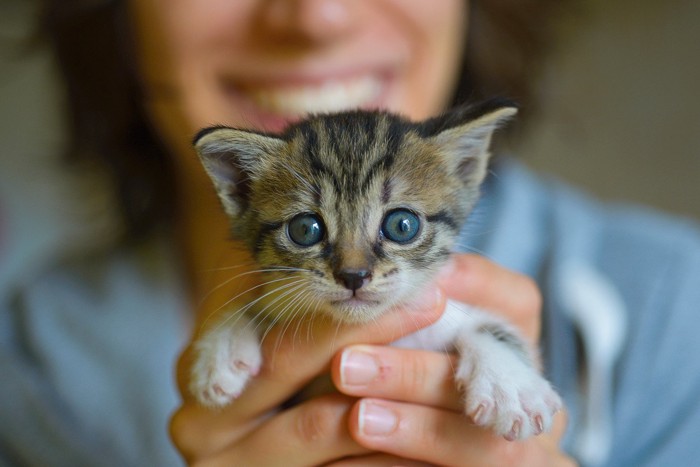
(376, 420)
(358, 368)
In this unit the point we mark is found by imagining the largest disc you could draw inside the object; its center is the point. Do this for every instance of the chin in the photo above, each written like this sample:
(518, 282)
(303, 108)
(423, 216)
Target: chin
(355, 311)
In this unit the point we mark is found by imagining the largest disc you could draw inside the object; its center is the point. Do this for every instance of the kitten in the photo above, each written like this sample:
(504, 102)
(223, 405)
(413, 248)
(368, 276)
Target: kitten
(364, 208)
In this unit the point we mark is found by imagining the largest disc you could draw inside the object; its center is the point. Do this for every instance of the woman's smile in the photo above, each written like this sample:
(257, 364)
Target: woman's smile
(273, 103)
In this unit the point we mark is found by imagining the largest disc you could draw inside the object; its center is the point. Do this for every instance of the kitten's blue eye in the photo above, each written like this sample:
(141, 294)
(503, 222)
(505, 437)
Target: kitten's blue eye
(400, 226)
(305, 229)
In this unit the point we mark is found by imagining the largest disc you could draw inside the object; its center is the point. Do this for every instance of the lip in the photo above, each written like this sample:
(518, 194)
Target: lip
(271, 103)
(356, 301)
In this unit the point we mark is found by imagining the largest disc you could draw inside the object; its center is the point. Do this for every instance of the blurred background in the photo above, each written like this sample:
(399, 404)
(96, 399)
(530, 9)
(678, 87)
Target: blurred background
(621, 104)
(620, 101)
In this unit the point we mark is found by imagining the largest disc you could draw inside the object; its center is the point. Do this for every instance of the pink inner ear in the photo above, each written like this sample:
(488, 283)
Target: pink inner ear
(223, 171)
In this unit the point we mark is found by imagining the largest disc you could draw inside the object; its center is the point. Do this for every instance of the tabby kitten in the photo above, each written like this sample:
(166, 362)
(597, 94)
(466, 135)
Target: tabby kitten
(350, 214)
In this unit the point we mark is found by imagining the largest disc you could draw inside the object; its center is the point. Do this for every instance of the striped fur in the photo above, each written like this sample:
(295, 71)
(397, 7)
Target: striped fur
(350, 169)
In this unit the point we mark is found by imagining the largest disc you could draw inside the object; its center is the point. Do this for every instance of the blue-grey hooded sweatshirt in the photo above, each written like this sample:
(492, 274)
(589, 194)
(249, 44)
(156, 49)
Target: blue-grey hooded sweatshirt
(89, 332)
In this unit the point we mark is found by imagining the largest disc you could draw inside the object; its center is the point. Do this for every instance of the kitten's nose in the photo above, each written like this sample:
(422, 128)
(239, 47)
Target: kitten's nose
(353, 279)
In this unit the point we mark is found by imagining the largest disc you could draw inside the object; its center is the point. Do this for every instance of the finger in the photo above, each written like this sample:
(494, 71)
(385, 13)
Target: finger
(551, 441)
(198, 431)
(484, 284)
(312, 433)
(442, 437)
(377, 460)
(416, 376)
(293, 357)
(559, 424)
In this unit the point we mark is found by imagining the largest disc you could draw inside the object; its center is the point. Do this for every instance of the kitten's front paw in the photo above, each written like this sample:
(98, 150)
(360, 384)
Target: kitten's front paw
(507, 395)
(226, 358)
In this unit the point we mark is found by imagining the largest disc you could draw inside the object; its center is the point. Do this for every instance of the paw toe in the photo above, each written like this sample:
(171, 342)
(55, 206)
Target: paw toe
(482, 414)
(515, 430)
(514, 411)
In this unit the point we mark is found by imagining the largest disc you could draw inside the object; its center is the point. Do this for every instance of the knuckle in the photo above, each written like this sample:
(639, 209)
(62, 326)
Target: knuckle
(199, 438)
(316, 421)
(432, 438)
(194, 433)
(528, 299)
(527, 308)
(532, 294)
(199, 463)
(531, 452)
(414, 373)
(512, 453)
(473, 279)
(181, 433)
(504, 452)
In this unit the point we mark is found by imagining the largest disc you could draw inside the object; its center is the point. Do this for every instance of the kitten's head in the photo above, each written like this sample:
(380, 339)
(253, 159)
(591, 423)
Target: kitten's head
(351, 212)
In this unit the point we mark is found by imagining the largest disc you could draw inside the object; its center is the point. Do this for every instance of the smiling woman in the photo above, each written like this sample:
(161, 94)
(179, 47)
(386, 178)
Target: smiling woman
(263, 65)
(296, 57)
(153, 64)
(94, 322)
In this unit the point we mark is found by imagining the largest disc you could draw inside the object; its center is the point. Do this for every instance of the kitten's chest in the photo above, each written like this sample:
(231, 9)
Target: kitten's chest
(440, 335)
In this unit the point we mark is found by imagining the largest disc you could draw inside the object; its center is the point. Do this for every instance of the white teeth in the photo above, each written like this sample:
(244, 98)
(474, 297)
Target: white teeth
(331, 96)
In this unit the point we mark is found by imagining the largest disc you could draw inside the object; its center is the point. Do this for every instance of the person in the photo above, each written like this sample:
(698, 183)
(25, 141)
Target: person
(103, 281)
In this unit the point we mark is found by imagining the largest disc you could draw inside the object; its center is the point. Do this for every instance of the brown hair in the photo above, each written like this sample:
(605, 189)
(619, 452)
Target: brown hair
(92, 44)
(506, 40)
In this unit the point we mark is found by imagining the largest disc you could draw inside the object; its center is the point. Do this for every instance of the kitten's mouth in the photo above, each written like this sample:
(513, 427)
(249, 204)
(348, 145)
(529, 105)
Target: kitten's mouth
(355, 309)
(355, 302)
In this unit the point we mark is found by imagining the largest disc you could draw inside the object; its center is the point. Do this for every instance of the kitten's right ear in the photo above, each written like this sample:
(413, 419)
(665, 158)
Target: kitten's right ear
(233, 159)
(465, 136)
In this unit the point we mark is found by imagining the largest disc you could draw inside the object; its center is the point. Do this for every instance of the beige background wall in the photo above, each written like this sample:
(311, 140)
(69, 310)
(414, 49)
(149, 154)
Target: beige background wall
(622, 103)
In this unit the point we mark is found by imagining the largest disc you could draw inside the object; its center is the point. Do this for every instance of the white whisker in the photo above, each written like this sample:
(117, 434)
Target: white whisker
(241, 311)
(297, 315)
(283, 315)
(306, 310)
(247, 273)
(228, 268)
(464, 248)
(278, 301)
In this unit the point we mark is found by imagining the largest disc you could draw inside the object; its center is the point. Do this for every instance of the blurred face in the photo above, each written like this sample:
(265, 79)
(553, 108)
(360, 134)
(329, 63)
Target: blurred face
(263, 63)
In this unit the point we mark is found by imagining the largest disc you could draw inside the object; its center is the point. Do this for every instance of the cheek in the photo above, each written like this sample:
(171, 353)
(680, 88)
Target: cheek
(180, 43)
(180, 32)
(435, 34)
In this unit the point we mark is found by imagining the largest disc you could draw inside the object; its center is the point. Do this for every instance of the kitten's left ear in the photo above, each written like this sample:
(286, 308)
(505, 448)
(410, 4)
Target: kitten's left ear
(233, 159)
(466, 143)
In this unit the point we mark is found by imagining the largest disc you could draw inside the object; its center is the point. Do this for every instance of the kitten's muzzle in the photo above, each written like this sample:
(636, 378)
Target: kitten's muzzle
(353, 279)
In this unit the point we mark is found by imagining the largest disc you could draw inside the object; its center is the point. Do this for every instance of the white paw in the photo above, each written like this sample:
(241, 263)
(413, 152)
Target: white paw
(226, 358)
(505, 394)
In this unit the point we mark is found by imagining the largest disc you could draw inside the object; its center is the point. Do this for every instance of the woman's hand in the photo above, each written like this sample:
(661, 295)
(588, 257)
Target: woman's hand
(253, 431)
(414, 387)
(409, 405)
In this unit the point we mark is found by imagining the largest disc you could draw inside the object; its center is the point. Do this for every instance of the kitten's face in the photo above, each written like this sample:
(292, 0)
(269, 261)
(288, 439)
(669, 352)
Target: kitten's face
(350, 213)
